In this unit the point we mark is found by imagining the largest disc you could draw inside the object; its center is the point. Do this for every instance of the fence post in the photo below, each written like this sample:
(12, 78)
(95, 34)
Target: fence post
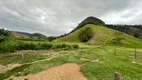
(22, 58)
(50, 53)
(116, 76)
(135, 53)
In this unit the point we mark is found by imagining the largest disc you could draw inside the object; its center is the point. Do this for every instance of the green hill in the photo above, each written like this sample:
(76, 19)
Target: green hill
(101, 35)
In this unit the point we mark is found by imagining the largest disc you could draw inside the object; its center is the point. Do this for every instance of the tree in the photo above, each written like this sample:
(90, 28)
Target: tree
(86, 34)
(136, 35)
(3, 34)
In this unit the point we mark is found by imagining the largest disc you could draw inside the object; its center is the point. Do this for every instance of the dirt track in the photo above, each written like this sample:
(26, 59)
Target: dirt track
(69, 71)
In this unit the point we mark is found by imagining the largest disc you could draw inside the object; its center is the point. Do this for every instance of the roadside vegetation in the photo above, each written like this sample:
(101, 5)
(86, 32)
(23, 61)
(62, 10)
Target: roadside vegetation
(98, 50)
(108, 63)
(10, 44)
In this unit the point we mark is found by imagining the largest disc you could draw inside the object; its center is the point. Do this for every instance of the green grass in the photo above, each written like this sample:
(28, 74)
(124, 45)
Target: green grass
(101, 34)
(17, 58)
(108, 63)
(11, 44)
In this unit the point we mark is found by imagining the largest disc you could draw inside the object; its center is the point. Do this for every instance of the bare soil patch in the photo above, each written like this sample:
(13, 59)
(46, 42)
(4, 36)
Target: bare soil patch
(86, 59)
(69, 71)
(5, 68)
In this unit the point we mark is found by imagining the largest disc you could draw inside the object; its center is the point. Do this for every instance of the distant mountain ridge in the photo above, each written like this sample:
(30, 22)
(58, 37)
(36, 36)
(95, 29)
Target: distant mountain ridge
(26, 34)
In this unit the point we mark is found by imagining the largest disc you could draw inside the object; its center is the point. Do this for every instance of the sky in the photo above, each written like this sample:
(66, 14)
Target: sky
(57, 17)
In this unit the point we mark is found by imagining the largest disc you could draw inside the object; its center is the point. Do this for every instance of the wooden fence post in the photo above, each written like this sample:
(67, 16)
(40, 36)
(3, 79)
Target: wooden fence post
(116, 76)
(135, 53)
(22, 58)
(50, 53)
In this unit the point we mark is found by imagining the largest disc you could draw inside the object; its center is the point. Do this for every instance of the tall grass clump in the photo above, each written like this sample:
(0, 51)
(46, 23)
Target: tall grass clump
(75, 46)
(44, 46)
(11, 44)
(25, 46)
(66, 46)
(47, 45)
(8, 45)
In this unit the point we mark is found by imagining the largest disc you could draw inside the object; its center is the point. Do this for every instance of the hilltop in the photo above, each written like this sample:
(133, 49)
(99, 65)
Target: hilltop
(101, 34)
(132, 30)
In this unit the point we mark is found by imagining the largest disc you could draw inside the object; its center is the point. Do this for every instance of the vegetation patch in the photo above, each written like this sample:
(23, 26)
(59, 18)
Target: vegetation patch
(86, 34)
(103, 69)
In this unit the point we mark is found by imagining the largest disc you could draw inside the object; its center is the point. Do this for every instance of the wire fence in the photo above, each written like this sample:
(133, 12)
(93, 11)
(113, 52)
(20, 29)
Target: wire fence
(131, 53)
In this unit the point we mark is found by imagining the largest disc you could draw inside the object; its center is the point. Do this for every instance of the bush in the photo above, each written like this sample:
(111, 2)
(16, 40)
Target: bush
(136, 35)
(58, 46)
(8, 46)
(25, 46)
(4, 32)
(75, 46)
(47, 46)
(86, 34)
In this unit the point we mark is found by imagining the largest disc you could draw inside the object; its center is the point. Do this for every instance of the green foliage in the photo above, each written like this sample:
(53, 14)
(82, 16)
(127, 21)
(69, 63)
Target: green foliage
(8, 45)
(107, 64)
(136, 35)
(51, 38)
(66, 46)
(47, 45)
(3, 34)
(75, 46)
(85, 34)
(43, 46)
(117, 38)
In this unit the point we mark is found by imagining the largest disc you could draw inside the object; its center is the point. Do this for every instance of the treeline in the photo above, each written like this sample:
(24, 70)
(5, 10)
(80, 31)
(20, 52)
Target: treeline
(3, 34)
(133, 30)
(122, 27)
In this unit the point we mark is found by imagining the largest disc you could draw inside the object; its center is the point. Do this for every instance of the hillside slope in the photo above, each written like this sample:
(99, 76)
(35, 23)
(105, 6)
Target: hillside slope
(133, 30)
(102, 35)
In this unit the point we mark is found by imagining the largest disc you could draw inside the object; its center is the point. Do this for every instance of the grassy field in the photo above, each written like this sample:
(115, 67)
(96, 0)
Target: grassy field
(29, 56)
(101, 34)
(123, 61)
(97, 62)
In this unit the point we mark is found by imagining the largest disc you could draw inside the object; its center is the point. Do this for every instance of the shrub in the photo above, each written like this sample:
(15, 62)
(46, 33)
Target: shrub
(25, 46)
(38, 47)
(75, 46)
(68, 47)
(7, 46)
(58, 46)
(51, 38)
(4, 32)
(86, 34)
(136, 35)
(47, 45)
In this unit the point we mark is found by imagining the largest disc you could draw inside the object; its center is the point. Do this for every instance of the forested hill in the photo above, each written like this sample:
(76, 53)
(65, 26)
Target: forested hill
(134, 30)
